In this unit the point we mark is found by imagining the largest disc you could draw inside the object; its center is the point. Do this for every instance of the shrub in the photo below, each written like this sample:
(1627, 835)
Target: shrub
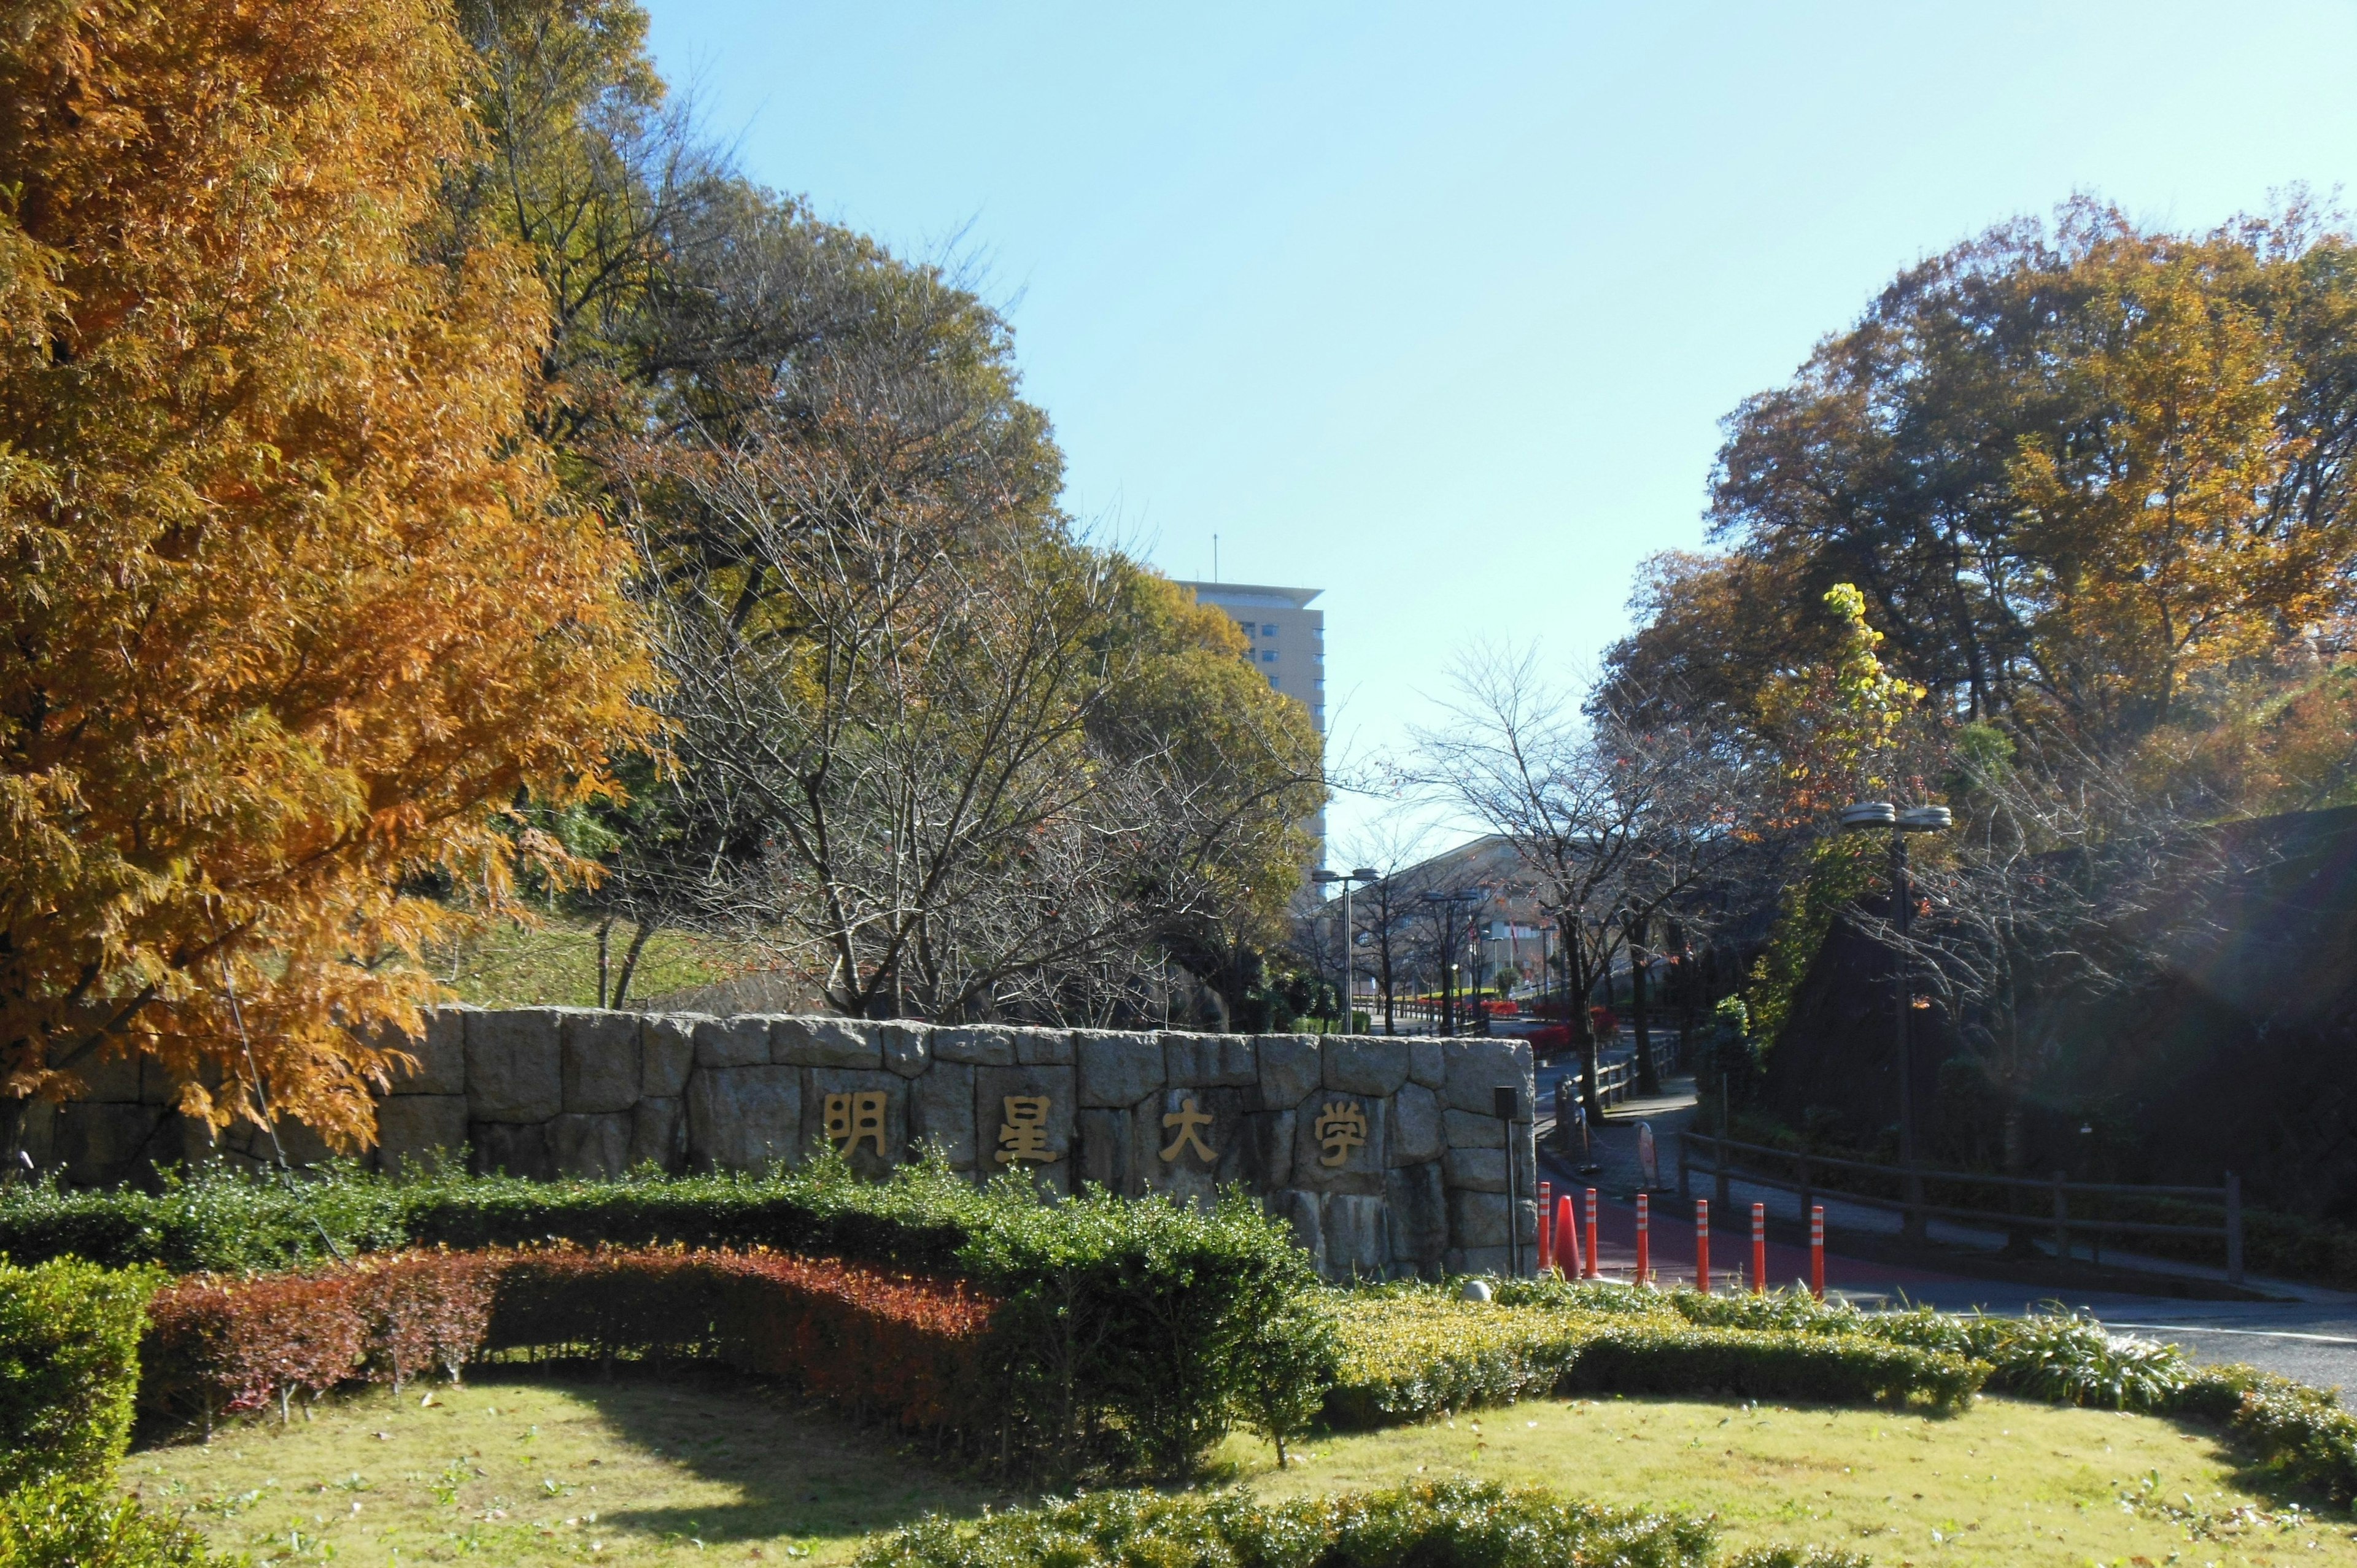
(1410, 1352)
(1846, 1368)
(1445, 1524)
(1124, 1327)
(217, 1347)
(68, 1369)
(61, 1523)
(420, 1311)
(2300, 1432)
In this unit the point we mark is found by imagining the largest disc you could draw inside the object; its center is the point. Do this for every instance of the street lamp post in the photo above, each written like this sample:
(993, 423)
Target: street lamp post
(1358, 873)
(1865, 817)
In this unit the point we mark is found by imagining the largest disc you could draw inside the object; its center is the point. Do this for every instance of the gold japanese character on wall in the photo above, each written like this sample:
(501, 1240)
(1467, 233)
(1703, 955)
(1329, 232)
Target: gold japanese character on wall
(856, 1118)
(1024, 1133)
(1340, 1128)
(1190, 1122)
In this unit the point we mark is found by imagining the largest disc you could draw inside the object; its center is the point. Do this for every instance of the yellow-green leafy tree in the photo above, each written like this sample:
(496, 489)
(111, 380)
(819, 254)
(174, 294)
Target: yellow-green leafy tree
(292, 615)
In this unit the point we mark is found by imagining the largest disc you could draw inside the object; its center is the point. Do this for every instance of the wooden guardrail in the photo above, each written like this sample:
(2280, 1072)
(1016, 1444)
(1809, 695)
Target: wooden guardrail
(1723, 1158)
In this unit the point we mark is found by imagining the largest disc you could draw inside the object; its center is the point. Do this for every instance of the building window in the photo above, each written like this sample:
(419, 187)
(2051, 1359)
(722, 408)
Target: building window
(1268, 631)
(1268, 656)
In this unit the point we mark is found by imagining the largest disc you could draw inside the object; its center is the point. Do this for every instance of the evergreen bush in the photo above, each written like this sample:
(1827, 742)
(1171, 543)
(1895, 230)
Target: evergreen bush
(68, 1369)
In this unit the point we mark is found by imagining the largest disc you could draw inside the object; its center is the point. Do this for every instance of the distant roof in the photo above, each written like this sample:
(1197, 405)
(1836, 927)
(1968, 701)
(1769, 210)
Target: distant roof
(1254, 594)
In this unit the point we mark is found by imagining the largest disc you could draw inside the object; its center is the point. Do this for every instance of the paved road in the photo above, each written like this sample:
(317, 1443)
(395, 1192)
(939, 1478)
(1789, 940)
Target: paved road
(2301, 1331)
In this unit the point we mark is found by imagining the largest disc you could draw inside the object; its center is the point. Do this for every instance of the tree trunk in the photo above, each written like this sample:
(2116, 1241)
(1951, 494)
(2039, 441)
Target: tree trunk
(1576, 981)
(631, 961)
(1649, 1079)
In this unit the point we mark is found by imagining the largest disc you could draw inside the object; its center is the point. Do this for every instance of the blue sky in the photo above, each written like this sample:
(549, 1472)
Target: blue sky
(1438, 309)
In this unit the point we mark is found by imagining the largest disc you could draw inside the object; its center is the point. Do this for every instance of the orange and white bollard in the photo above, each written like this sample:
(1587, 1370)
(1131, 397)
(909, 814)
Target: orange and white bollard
(1758, 1248)
(1546, 1236)
(1817, 1250)
(1701, 1245)
(1566, 1241)
(1644, 1240)
(1592, 1271)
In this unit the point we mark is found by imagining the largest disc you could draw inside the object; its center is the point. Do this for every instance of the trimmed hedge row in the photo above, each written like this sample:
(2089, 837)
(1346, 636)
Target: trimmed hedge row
(905, 1347)
(1410, 1352)
(1441, 1524)
(1131, 1335)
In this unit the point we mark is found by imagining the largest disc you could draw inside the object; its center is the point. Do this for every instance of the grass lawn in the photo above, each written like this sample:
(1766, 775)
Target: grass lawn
(524, 1467)
(555, 963)
(2005, 1484)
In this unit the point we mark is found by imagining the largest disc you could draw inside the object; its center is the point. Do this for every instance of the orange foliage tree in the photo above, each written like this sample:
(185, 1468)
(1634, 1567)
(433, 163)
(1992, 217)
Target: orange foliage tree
(292, 611)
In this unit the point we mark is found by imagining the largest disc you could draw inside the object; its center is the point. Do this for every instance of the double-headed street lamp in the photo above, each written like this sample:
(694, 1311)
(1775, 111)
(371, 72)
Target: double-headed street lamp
(1865, 816)
(1361, 873)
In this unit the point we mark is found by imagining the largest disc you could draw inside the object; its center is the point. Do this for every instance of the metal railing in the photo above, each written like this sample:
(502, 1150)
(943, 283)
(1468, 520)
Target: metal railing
(1724, 1159)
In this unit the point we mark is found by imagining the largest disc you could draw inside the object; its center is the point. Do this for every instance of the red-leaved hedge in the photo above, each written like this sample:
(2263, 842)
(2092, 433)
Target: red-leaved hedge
(905, 1347)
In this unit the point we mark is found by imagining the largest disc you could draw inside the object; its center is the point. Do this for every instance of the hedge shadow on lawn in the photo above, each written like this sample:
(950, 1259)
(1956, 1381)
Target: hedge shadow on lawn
(803, 1467)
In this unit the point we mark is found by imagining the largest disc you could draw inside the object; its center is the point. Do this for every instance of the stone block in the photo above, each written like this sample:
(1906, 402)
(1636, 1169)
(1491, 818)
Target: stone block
(1209, 1061)
(1104, 1148)
(667, 1054)
(904, 1047)
(1476, 1220)
(594, 1147)
(979, 1047)
(827, 1043)
(997, 1133)
(1479, 1219)
(507, 1148)
(601, 1062)
(1272, 1135)
(732, 1042)
(659, 1133)
(410, 1127)
(1043, 1048)
(1416, 1130)
(440, 1049)
(110, 1075)
(859, 1144)
(1358, 1245)
(1478, 1170)
(1477, 1068)
(1299, 1211)
(1117, 1069)
(1469, 1130)
(941, 1113)
(102, 1143)
(745, 1117)
(1339, 1143)
(1419, 1221)
(1427, 1063)
(1365, 1064)
(1491, 1260)
(1292, 1067)
(514, 1069)
(1166, 1123)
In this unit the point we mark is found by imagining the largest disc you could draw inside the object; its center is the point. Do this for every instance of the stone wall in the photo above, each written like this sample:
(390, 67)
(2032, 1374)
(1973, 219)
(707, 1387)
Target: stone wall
(1384, 1154)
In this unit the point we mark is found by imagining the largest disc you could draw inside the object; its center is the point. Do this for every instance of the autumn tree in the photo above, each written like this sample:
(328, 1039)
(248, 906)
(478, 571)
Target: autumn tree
(2075, 471)
(295, 613)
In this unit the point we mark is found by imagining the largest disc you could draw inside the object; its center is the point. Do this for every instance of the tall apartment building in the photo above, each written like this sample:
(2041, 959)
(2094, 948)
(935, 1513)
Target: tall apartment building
(1286, 640)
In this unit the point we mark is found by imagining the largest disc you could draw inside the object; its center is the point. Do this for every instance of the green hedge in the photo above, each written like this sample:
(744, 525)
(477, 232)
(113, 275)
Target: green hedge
(1410, 1352)
(1444, 1524)
(68, 1368)
(1133, 1333)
